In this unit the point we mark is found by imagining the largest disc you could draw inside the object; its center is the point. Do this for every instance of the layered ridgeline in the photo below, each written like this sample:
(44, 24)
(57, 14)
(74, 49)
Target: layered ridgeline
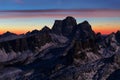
(68, 51)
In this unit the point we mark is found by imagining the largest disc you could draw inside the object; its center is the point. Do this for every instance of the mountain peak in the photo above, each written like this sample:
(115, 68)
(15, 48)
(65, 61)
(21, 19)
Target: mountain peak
(68, 25)
(72, 51)
(85, 22)
(69, 21)
(7, 34)
(35, 31)
(85, 25)
(57, 27)
(64, 27)
(45, 29)
(118, 31)
(70, 18)
(84, 31)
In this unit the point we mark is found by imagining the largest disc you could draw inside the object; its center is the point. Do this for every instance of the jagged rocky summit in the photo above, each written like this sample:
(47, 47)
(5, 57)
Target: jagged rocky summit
(68, 51)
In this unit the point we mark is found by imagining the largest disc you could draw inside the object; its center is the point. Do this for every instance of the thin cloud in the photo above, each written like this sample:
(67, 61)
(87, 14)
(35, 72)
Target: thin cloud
(58, 13)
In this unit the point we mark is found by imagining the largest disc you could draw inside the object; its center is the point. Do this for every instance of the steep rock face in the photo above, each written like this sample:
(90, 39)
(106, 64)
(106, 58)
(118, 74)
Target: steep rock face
(64, 27)
(118, 36)
(31, 43)
(81, 32)
(15, 45)
(98, 69)
(111, 42)
(57, 27)
(83, 37)
(79, 53)
(68, 27)
(69, 51)
(84, 34)
(23, 44)
(68, 24)
(84, 31)
(99, 38)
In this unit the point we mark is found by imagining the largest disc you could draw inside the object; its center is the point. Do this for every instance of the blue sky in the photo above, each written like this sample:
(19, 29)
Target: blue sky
(20, 16)
(58, 4)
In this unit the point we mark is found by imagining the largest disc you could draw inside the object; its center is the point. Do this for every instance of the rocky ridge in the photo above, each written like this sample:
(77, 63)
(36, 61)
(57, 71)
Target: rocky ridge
(68, 51)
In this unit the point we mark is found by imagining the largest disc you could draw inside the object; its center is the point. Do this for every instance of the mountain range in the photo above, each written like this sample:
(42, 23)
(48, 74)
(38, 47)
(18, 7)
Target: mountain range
(68, 51)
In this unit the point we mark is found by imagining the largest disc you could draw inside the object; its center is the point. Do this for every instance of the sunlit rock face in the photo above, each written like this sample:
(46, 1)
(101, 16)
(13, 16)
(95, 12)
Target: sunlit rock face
(68, 51)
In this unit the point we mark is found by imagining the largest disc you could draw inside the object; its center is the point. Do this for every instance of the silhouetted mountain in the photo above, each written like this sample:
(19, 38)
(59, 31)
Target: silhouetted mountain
(84, 31)
(33, 32)
(118, 36)
(68, 24)
(68, 51)
(99, 37)
(57, 27)
(7, 34)
(64, 27)
(45, 30)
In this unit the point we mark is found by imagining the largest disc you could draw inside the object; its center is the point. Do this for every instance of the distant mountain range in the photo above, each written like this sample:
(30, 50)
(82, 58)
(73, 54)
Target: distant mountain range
(68, 51)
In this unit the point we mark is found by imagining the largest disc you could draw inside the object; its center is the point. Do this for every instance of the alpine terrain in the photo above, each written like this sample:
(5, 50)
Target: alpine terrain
(68, 51)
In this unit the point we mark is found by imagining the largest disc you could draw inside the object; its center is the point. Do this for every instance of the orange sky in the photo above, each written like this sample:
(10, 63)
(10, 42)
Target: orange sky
(106, 29)
(103, 30)
(104, 21)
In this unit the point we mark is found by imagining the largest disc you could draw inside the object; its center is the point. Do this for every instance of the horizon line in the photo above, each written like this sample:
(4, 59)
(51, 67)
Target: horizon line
(103, 33)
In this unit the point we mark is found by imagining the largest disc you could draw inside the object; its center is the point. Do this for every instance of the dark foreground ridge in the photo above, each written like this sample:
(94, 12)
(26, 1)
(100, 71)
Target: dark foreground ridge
(68, 51)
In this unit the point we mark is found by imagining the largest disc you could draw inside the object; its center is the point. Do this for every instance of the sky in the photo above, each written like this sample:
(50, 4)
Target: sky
(20, 16)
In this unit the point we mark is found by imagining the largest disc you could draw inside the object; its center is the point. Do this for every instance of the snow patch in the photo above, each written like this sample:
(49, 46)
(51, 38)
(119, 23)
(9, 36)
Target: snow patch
(59, 38)
(47, 45)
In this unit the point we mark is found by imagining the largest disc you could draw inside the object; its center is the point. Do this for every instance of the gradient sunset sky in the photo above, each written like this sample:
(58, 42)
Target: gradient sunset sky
(20, 16)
